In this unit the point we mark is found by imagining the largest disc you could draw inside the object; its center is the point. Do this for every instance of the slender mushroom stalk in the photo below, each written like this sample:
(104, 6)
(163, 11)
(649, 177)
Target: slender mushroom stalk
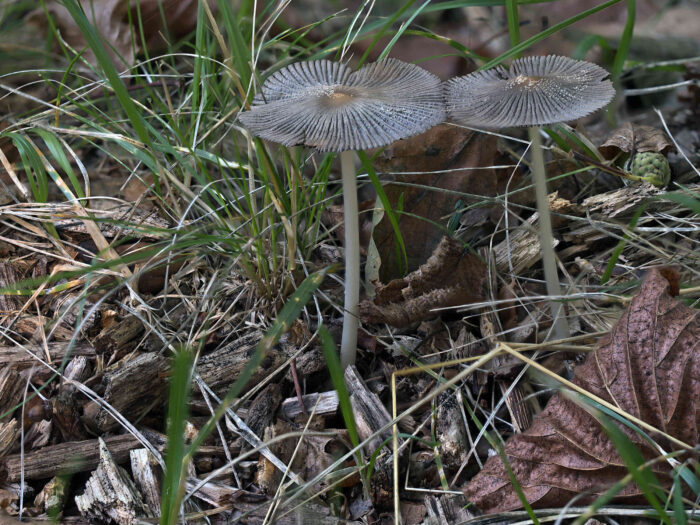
(327, 106)
(535, 91)
(549, 261)
(348, 343)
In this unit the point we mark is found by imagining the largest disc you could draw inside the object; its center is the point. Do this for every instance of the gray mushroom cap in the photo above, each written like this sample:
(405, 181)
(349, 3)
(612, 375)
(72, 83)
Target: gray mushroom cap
(325, 105)
(537, 90)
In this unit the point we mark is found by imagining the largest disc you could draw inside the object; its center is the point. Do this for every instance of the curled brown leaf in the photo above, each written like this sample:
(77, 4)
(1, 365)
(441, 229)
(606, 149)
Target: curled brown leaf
(636, 138)
(648, 366)
(450, 277)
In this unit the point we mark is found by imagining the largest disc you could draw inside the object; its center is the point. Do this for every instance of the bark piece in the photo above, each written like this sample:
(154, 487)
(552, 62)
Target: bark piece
(370, 414)
(223, 366)
(24, 356)
(117, 337)
(38, 435)
(132, 388)
(648, 366)
(450, 277)
(321, 403)
(521, 249)
(66, 458)
(52, 497)
(520, 411)
(110, 494)
(213, 492)
(261, 413)
(66, 408)
(450, 431)
(145, 470)
(11, 391)
(9, 435)
(448, 509)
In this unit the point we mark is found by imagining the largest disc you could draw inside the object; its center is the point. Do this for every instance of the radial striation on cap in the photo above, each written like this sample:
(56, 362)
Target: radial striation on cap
(325, 105)
(535, 91)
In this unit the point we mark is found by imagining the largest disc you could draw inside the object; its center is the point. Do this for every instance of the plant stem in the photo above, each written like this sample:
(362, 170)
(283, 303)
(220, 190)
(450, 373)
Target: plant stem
(549, 264)
(348, 345)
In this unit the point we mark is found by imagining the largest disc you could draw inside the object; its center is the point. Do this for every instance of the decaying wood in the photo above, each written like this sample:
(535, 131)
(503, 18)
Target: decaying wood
(132, 388)
(78, 369)
(268, 477)
(38, 435)
(24, 356)
(11, 391)
(447, 510)
(520, 411)
(213, 492)
(450, 431)
(262, 410)
(521, 249)
(370, 414)
(110, 494)
(321, 404)
(66, 458)
(67, 409)
(52, 497)
(145, 470)
(223, 366)
(116, 338)
(9, 435)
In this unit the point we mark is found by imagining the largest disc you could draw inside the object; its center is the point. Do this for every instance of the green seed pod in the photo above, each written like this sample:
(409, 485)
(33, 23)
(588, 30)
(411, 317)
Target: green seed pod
(651, 167)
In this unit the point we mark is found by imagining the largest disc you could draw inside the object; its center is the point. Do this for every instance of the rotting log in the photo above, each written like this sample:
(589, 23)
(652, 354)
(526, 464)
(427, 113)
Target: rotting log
(66, 458)
(24, 356)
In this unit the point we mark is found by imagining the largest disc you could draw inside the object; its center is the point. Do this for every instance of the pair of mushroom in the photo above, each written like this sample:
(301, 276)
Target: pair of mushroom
(325, 105)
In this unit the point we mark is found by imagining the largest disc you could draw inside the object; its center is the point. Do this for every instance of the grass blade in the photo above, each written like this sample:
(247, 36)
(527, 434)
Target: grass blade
(624, 46)
(515, 50)
(175, 468)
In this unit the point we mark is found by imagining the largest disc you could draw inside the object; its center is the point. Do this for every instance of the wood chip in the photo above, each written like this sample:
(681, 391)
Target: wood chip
(321, 404)
(110, 494)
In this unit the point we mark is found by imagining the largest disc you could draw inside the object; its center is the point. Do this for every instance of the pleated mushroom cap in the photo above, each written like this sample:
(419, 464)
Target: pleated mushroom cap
(535, 91)
(325, 105)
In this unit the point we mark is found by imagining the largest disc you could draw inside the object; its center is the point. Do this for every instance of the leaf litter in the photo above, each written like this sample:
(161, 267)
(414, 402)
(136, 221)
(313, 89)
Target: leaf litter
(455, 304)
(648, 366)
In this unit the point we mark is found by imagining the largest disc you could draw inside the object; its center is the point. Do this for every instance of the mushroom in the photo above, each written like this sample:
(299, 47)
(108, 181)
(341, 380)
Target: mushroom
(327, 106)
(535, 91)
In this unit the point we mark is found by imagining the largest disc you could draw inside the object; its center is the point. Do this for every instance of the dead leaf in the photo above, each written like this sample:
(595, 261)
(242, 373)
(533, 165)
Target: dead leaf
(450, 160)
(450, 277)
(333, 217)
(111, 20)
(648, 366)
(638, 139)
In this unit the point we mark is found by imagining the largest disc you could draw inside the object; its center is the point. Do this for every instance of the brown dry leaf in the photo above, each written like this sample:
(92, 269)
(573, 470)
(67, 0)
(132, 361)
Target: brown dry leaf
(450, 277)
(449, 159)
(111, 19)
(649, 366)
(636, 138)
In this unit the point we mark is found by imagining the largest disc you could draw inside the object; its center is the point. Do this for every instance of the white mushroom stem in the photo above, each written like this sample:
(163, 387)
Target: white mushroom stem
(348, 345)
(561, 326)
